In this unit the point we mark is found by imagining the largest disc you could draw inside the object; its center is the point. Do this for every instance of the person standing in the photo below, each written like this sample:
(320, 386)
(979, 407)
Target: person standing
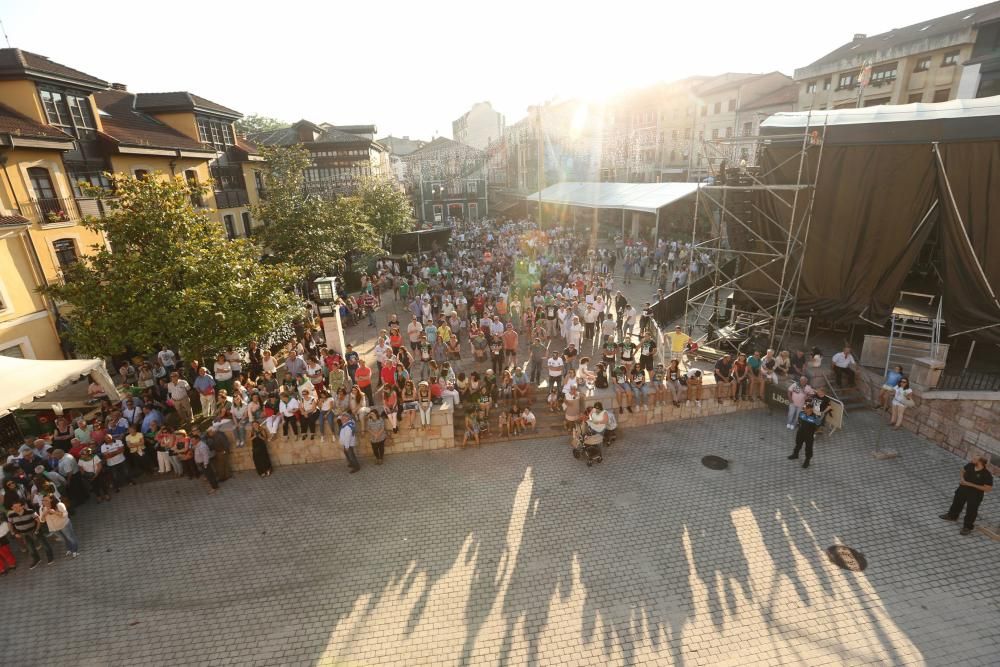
(261, 457)
(974, 482)
(25, 525)
(377, 434)
(805, 434)
(56, 517)
(219, 444)
(348, 440)
(204, 384)
(203, 459)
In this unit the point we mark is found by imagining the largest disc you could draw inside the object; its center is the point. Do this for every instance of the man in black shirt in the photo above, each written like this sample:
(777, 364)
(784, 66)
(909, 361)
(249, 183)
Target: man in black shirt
(974, 482)
(724, 384)
(647, 352)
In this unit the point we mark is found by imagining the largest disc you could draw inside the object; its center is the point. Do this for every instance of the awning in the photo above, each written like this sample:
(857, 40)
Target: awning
(886, 113)
(24, 380)
(642, 197)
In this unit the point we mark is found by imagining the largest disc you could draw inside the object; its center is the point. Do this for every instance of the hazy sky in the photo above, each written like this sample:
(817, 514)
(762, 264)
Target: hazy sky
(413, 67)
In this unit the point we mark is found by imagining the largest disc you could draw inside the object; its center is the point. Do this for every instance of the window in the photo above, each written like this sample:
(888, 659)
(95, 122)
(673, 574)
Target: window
(673, 135)
(87, 172)
(227, 220)
(942, 95)
(826, 84)
(41, 183)
(876, 102)
(247, 227)
(687, 132)
(810, 88)
(847, 81)
(729, 132)
(884, 74)
(438, 212)
(473, 211)
(715, 133)
(141, 174)
(950, 59)
(68, 111)
(15, 351)
(472, 187)
(717, 108)
(218, 133)
(747, 128)
(65, 250)
(915, 97)
(923, 64)
(191, 176)
(732, 105)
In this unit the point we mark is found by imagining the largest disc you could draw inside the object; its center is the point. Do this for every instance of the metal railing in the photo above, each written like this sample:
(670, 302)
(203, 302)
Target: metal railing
(969, 381)
(51, 210)
(231, 198)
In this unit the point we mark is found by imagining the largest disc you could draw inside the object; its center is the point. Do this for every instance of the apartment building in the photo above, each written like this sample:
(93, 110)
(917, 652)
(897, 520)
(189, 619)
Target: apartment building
(922, 62)
(447, 181)
(60, 127)
(342, 154)
(478, 127)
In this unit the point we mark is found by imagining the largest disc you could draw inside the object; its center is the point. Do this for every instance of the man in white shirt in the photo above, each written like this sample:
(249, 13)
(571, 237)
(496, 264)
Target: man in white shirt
(555, 365)
(177, 391)
(348, 440)
(113, 453)
(288, 406)
(167, 359)
(574, 332)
(413, 331)
(843, 364)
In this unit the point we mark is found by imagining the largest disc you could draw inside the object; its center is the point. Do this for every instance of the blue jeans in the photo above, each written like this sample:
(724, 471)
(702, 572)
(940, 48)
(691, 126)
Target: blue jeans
(327, 416)
(69, 537)
(793, 415)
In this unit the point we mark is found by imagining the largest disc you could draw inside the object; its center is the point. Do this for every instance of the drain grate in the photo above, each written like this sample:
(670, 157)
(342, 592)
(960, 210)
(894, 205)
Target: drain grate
(847, 558)
(715, 462)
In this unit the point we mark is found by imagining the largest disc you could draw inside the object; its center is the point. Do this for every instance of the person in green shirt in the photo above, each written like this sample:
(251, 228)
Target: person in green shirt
(404, 290)
(754, 363)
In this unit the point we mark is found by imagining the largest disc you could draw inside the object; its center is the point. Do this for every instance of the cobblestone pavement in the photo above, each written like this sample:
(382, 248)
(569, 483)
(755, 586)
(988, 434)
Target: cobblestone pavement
(517, 554)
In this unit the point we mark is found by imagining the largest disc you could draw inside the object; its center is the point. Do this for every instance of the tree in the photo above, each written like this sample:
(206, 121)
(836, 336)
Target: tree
(310, 233)
(257, 123)
(385, 206)
(170, 277)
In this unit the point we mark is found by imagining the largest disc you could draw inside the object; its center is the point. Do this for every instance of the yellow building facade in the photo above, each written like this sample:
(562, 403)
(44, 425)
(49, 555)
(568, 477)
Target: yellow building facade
(60, 127)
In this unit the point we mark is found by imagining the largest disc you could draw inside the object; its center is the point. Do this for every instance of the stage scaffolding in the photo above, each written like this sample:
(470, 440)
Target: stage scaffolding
(731, 313)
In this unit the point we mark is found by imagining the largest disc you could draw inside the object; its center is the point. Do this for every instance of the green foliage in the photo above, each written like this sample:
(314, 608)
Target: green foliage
(257, 123)
(170, 277)
(386, 207)
(316, 235)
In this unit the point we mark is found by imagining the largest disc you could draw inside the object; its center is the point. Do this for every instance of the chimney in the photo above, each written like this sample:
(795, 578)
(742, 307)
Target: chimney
(858, 36)
(119, 86)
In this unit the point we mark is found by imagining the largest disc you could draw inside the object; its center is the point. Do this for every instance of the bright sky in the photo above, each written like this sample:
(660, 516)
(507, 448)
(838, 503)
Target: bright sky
(413, 67)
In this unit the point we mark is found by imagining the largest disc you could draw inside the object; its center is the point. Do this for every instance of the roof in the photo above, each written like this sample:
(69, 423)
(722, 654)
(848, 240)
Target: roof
(24, 380)
(13, 122)
(13, 220)
(888, 113)
(289, 136)
(181, 101)
(927, 29)
(129, 127)
(785, 95)
(643, 197)
(19, 63)
(724, 82)
(441, 143)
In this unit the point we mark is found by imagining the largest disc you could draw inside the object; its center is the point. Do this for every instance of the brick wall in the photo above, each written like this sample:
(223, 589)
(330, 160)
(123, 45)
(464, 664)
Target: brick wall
(965, 423)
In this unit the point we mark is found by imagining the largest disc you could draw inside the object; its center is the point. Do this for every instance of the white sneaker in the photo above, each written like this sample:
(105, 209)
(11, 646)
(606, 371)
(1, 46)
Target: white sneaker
(69, 553)
(75, 554)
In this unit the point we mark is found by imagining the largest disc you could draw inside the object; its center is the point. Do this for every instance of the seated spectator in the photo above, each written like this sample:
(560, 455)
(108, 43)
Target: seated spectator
(888, 390)
(843, 365)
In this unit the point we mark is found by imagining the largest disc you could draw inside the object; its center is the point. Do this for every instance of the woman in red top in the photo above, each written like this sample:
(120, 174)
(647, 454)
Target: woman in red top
(395, 340)
(388, 373)
(363, 379)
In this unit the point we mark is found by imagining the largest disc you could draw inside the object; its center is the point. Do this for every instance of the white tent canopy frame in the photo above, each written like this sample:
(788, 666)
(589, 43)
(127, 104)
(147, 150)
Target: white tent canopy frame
(639, 197)
(24, 380)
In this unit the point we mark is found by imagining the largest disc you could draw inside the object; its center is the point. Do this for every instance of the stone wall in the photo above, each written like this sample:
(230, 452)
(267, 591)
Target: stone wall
(965, 423)
(293, 450)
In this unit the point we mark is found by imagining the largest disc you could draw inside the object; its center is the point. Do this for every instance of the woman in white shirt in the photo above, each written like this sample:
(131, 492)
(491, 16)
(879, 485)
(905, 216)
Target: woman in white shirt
(268, 363)
(902, 397)
(239, 412)
(359, 407)
(55, 515)
(223, 373)
(310, 413)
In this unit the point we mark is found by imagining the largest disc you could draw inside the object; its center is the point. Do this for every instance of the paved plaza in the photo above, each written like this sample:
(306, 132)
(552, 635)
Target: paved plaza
(517, 554)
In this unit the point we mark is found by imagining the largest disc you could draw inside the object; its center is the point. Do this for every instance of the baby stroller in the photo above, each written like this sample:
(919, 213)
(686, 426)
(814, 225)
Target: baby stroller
(587, 445)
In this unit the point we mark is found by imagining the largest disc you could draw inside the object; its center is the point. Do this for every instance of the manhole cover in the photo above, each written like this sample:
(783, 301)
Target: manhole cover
(715, 462)
(847, 558)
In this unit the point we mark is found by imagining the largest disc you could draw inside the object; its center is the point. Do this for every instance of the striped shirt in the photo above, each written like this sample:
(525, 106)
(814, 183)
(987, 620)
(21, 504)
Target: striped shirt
(25, 522)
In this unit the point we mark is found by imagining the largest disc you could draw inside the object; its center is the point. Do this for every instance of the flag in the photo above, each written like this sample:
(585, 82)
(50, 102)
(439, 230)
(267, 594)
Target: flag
(866, 74)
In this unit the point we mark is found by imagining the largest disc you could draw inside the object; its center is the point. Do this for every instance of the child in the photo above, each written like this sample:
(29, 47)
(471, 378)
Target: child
(471, 430)
(517, 426)
(528, 419)
(504, 425)
(553, 399)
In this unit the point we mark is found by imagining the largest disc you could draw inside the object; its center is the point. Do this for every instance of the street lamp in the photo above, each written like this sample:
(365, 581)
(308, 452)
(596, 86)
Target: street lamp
(326, 297)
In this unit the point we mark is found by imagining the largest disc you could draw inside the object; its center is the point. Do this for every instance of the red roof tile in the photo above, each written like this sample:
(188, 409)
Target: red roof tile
(25, 63)
(13, 220)
(12, 122)
(129, 127)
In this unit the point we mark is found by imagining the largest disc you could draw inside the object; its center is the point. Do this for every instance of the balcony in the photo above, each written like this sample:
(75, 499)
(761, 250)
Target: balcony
(51, 210)
(231, 198)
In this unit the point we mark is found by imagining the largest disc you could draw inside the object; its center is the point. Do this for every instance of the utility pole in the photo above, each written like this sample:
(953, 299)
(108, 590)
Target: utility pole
(540, 149)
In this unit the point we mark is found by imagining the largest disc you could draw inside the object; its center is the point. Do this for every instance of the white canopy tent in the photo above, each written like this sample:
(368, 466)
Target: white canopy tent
(641, 197)
(24, 380)
(886, 113)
